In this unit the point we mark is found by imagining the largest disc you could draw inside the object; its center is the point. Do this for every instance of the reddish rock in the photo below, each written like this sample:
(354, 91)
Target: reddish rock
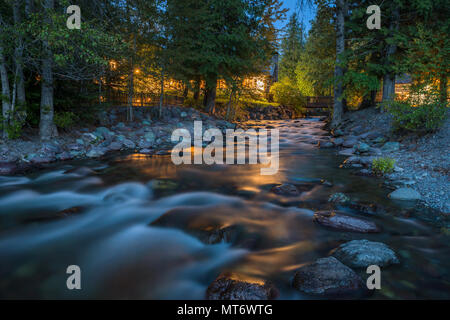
(342, 222)
(235, 287)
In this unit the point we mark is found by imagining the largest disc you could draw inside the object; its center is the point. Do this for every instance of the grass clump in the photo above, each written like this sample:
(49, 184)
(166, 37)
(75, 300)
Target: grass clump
(381, 166)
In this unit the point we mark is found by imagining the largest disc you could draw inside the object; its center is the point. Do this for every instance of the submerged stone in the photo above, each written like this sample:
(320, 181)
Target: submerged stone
(342, 222)
(286, 189)
(232, 286)
(329, 278)
(364, 253)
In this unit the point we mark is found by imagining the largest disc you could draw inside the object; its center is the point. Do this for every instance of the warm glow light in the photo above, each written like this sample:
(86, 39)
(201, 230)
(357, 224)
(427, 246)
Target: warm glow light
(137, 71)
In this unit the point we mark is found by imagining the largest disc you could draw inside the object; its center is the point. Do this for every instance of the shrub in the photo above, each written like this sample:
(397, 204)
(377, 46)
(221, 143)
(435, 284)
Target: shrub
(420, 112)
(383, 165)
(285, 93)
(65, 120)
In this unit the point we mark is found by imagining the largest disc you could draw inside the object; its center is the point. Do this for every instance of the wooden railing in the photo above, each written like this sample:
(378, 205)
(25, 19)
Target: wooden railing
(318, 105)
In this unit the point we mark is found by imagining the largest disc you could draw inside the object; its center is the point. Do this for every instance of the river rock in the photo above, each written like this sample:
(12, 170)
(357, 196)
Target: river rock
(364, 253)
(149, 137)
(231, 287)
(406, 194)
(50, 147)
(286, 189)
(129, 144)
(361, 147)
(350, 142)
(346, 152)
(390, 147)
(115, 146)
(339, 221)
(325, 144)
(338, 198)
(7, 168)
(96, 152)
(329, 278)
(64, 156)
(42, 159)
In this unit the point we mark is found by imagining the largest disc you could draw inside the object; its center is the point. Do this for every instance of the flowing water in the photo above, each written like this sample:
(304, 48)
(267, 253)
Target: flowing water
(139, 226)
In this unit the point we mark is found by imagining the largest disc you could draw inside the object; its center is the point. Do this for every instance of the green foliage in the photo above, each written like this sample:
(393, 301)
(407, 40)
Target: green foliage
(382, 166)
(286, 93)
(424, 118)
(315, 68)
(65, 120)
(292, 46)
(13, 127)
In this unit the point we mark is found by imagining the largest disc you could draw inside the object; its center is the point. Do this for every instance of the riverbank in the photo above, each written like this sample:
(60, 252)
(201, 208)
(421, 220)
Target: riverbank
(422, 163)
(145, 134)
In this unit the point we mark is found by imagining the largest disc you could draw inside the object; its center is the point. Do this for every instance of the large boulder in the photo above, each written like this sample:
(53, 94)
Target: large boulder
(329, 278)
(338, 221)
(364, 253)
(406, 194)
(235, 287)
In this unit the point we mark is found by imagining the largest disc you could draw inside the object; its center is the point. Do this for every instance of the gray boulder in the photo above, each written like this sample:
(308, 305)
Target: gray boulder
(406, 194)
(390, 147)
(96, 152)
(329, 278)
(350, 142)
(364, 253)
(129, 144)
(341, 222)
(361, 147)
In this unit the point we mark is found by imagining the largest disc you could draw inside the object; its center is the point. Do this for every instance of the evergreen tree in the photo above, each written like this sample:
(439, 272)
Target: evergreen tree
(292, 46)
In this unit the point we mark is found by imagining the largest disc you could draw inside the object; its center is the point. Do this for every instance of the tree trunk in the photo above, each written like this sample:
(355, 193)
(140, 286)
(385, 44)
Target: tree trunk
(391, 49)
(339, 70)
(211, 90)
(161, 96)
(186, 90)
(443, 84)
(6, 94)
(47, 128)
(197, 89)
(131, 84)
(18, 53)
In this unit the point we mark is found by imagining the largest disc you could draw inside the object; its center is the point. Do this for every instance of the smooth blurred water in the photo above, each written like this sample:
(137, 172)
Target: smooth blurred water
(140, 224)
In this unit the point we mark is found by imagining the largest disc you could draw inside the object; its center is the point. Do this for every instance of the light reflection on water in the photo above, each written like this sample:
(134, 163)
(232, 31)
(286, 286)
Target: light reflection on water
(140, 226)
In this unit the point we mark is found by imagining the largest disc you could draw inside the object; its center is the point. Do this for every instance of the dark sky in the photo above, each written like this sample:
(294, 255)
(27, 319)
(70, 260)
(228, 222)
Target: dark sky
(305, 13)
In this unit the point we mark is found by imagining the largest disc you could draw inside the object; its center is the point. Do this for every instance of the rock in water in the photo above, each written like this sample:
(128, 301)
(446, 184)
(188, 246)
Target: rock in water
(339, 198)
(329, 278)
(405, 194)
(235, 287)
(342, 222)
(287, 189)
(364, 253)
